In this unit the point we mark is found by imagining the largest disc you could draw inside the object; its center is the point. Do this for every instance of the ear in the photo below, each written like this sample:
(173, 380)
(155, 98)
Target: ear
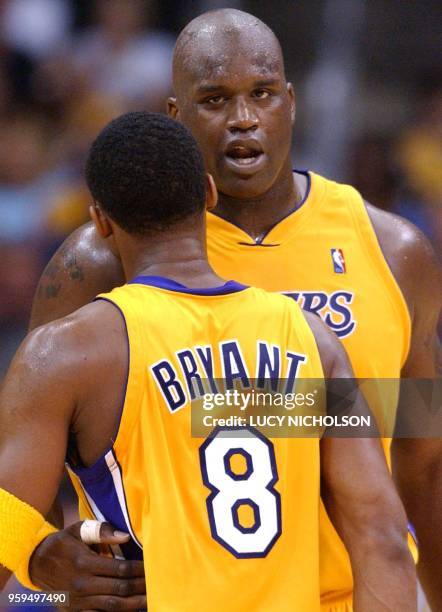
(291, 93)
(211, 192)
(101, 222)
(172, 108)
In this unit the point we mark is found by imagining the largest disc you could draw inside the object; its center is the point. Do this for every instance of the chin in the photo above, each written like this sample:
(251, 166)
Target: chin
(245, 189)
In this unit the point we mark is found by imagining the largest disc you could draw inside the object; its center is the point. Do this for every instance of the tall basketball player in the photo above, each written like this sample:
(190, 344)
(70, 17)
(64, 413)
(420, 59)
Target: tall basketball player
(370, 275)
(110, 388)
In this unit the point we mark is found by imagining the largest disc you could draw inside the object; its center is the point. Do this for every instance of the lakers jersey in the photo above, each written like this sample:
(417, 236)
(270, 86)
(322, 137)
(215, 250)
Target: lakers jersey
(326, 256)
(224, 523)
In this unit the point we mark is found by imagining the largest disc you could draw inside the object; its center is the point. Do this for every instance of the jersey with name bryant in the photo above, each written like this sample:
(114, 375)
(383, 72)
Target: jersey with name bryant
(229, 522)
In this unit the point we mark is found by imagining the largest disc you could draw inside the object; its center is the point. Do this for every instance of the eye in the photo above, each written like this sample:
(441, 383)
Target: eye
(261, 94)
(215, 100)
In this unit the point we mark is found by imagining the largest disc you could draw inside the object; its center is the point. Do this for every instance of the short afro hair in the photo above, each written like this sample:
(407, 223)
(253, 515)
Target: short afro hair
(146, 172)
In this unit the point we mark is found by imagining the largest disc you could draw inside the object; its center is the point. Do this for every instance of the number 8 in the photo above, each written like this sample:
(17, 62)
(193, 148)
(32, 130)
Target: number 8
(253, 488)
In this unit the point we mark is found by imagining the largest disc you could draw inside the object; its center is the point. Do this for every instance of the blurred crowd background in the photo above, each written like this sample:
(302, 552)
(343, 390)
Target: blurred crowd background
(367, 75)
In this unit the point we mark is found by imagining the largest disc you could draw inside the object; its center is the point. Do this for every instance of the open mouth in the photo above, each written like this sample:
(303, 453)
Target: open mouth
(243, 155)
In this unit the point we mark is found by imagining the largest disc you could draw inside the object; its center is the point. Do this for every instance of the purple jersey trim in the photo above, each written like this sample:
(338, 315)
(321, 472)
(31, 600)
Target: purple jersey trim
(171, 285)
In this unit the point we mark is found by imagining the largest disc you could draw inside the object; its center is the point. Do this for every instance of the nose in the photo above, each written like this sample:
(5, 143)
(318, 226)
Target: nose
(242, 116)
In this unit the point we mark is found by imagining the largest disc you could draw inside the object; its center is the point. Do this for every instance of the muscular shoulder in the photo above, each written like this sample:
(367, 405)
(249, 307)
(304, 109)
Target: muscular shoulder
(408, 253)
(81, 268)
(70, 370)
(418, 274)
(74, 344)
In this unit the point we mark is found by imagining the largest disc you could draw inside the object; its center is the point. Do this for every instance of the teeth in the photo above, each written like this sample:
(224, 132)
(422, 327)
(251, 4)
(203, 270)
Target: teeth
(243, 155)
(243, 161)
(240, 152)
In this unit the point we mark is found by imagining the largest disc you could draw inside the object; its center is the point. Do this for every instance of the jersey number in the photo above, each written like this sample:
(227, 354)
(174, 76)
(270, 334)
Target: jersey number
(244, 508)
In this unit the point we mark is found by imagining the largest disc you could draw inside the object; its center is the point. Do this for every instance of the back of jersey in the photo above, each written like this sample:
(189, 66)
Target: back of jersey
(230, 522)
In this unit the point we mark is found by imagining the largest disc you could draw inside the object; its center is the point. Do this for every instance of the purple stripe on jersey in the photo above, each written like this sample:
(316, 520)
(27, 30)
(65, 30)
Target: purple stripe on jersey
(99, 484)
(166, 283)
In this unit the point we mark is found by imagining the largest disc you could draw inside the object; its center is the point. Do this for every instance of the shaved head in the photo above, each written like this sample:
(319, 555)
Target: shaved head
(231, 92)
(210, 42)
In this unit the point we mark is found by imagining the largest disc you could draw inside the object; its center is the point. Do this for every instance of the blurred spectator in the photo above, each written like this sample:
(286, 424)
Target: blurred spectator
(374, 171)
(19, 270)
(57, 90)
(25, 184)
(419, 155)
(25, 177)
(84, 116)
(16, 69)
(36, 27)
(122, 57)
(371, 171)
(420, 149)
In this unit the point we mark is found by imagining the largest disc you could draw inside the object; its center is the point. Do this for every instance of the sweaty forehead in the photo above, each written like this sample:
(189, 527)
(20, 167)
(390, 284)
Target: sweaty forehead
(213, 53)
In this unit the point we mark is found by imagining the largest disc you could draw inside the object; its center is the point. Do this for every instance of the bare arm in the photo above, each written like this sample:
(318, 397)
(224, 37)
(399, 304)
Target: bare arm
(51, 390)
(363, 505)
(82, 267)
(417, 463)
(36, 404)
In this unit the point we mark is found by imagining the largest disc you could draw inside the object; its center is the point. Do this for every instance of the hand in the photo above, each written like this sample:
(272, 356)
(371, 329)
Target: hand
(62, 562)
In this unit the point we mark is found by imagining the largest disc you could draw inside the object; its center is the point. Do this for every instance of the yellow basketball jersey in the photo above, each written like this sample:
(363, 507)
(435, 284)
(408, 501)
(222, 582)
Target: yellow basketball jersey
(326, 256)
(214, 535)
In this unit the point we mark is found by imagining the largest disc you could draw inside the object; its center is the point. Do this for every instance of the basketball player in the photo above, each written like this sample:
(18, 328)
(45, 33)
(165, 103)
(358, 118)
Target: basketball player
(110, 387)
(370, 275)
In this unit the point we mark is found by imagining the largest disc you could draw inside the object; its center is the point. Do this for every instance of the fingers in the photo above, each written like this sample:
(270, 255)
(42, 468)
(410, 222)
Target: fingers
(74, 529)
(86, 586)
(97, 532)
(103, 593)
(90, 564)
(109, 535)
(115, 568)
(63, 562)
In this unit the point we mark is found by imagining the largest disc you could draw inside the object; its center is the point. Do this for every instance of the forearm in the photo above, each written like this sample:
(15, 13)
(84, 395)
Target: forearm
(384, 578)
(20, 526)
(55, 514)
(420, 485)
(429, 534)
(366, 511)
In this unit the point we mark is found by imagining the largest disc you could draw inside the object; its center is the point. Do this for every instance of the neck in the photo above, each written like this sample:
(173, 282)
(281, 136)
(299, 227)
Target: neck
(258, 215)
(179, 254)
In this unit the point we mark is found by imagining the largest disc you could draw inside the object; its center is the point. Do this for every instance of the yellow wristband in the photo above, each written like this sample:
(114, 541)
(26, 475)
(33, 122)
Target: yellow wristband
(22, 572)
(19, 523)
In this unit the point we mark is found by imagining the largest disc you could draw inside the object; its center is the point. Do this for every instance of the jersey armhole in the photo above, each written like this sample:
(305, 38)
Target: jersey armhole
(132, 392)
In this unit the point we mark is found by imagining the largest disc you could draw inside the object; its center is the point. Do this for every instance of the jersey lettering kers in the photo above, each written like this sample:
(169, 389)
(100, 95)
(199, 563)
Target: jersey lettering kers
(333, 308)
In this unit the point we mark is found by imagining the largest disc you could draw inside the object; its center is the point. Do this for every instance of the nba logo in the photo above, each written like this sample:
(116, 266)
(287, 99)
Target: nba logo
(338, 260)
